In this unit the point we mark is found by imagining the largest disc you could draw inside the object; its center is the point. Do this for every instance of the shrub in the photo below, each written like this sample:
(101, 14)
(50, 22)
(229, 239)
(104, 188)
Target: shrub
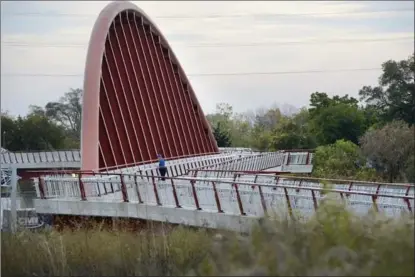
(331, 243)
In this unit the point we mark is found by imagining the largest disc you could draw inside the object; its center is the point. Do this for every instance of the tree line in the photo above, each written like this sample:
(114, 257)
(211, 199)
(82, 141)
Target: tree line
(55, 126)
(369, 138)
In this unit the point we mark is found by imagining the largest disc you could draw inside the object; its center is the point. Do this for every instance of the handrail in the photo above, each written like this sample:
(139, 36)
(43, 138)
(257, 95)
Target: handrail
(240, 159)
(155, 160)
(212, 183)
(264, 173)
(299, 150)
(42, 151)
(346, 181)
(241, 183)
(312, 179)
(325, 190)
(60, 156)
(241, 171)
(92, 172)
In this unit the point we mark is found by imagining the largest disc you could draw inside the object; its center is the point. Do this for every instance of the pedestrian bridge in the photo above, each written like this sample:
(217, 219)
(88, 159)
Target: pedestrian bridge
(230, 191)
(299, 161)
(237, 158)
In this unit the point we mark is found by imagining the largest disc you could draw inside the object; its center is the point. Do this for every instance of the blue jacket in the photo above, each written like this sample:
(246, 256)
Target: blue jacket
(162, 163)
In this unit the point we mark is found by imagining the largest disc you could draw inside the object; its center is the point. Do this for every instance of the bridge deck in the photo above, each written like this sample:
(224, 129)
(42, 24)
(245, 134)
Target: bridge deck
(231, 203)
(218, 191)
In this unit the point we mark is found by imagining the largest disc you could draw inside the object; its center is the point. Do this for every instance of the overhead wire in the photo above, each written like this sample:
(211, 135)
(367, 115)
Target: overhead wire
(217, 45)
(52, 14)
(22, 44)
(211, 74)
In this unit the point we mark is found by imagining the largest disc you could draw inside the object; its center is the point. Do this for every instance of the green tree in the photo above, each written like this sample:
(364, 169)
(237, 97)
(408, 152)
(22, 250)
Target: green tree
(410, 168)
(268, 120)
(264, 124)
(221, 136)
(293, 132)
(33, 132)
(394, 97)
(340, 121)
(67, 112)
(240, 132)
(390, 149)
(342, 159)
(236, 126)
(222, 115)
(320, 101)
(10, 133)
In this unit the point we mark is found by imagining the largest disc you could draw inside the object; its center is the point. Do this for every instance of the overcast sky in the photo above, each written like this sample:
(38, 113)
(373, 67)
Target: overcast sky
(52, 37)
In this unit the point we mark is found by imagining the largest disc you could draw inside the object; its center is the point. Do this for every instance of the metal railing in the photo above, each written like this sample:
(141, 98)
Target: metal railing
(235, 197)
(174, 168)
(40, 157)
(265, 160)
(298, 158)
(259, 161)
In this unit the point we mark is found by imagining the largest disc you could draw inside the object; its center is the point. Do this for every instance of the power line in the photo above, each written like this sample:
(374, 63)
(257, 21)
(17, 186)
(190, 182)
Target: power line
(51, 14)
(215, 45)
(210, 74)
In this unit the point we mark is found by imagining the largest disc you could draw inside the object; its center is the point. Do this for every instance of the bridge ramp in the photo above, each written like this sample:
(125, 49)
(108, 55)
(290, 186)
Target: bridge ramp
(216, 199)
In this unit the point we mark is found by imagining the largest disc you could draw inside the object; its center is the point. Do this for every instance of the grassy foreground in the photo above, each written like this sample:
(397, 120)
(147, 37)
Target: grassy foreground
(333, 243)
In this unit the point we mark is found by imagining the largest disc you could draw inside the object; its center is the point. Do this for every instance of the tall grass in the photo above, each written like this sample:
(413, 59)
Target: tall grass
(332, 243)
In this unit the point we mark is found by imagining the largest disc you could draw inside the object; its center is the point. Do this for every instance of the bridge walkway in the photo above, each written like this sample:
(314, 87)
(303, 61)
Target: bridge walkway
(221, 203)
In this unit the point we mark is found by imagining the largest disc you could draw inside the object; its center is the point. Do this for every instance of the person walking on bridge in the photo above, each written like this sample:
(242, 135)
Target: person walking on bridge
(162, 167)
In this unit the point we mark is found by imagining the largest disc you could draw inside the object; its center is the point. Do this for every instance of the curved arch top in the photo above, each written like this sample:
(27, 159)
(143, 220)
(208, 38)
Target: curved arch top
(137, 100)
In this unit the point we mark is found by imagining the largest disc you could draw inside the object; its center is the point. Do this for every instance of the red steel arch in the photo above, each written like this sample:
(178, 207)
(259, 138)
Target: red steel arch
(137, 99)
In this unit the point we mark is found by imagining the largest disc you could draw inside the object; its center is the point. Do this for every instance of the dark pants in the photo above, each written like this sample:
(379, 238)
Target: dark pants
(163, 172)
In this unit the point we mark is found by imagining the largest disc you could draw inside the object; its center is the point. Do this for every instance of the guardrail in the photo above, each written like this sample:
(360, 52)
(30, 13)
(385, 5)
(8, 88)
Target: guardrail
(298, 158)
(239, 198)
(40, 157)
(236, 175)
(266, 160)
(259, 161)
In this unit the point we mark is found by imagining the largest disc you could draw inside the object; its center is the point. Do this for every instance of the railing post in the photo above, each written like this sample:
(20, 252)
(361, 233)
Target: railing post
(105, 187)
(176, 199)
(307, 160)
(123, 189)
(217, 199)
(98, 189)
(137, 190)
(313, 194)
(408, 203)
(235, 175)
(42, 188)
(375, 205)
(81, 187)
(112, 186)
(238, 197)
(192, 183)
(263, 203)
(277, 179)
(299, 186)
(375, 197)
(289, 207)
(349, 189)
(156, 194)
